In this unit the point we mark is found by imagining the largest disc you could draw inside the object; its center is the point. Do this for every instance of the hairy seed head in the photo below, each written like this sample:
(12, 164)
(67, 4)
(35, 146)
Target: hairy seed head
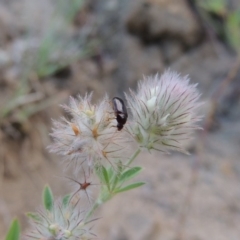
(63, 222)
(90, 134)
(164, 111)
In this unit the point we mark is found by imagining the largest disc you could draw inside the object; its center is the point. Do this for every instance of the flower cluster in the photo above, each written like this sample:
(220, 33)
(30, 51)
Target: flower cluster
(63, 222)
(163, 112)
(163, 115)
(90, 135)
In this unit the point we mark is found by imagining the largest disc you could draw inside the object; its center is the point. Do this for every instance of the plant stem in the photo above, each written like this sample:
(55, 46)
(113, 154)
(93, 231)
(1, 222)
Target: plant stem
(90, 212)
(133, 157)
(102, 200)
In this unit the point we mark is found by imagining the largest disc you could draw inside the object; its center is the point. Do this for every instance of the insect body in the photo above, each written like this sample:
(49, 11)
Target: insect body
(120, 112)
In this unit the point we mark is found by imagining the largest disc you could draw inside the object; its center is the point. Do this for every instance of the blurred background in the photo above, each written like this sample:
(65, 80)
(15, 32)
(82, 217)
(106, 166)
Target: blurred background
(51, 49)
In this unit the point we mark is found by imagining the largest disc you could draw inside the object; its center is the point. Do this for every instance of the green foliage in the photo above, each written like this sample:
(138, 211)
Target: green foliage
(65, 200)
(114, 181)
(14, 231)
(50, 57)
(34, 216)
(129, 174)
(44, 66)
(214, 6)
(56, 40)
(48, 198)
(69, 8)
(129, 187)
(229, 28)
(103, 175)
(232, 29)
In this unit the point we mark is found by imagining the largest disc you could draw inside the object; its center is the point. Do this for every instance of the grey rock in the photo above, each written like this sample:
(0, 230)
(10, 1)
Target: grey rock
(156, 19)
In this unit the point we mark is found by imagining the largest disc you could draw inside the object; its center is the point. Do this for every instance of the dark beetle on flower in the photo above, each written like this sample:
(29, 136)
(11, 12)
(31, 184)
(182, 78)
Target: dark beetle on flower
(120, 112)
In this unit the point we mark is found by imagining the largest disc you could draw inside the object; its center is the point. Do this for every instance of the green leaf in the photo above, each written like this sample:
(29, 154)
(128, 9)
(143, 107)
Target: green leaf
(129, 187)
(218, 7)
(48, 198)
(69, 10)
(105, 176)
(48, 69)
(65, 200)
(102, 173)
(34, 216)
(129, 174)
(14, 231)
(115, 181)
(98, 170)
(115, 178)
(110, 173)
(233, 29)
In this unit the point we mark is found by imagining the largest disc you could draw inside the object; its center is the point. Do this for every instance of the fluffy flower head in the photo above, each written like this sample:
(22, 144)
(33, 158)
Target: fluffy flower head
(64, 222)
(90, 135)
(164, 111)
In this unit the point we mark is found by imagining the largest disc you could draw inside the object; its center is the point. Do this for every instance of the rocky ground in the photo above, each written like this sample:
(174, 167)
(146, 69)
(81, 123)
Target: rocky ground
(193, 197)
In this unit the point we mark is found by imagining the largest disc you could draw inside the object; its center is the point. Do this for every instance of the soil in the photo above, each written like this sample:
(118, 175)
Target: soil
(194, 197)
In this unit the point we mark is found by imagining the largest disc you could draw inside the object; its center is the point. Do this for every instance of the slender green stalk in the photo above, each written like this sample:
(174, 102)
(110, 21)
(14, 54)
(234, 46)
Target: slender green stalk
(103, 198)
(93, 208)
(133, 157)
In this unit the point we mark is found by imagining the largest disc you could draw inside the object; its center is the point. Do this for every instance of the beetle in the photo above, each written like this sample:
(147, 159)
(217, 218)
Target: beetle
(120, 112)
